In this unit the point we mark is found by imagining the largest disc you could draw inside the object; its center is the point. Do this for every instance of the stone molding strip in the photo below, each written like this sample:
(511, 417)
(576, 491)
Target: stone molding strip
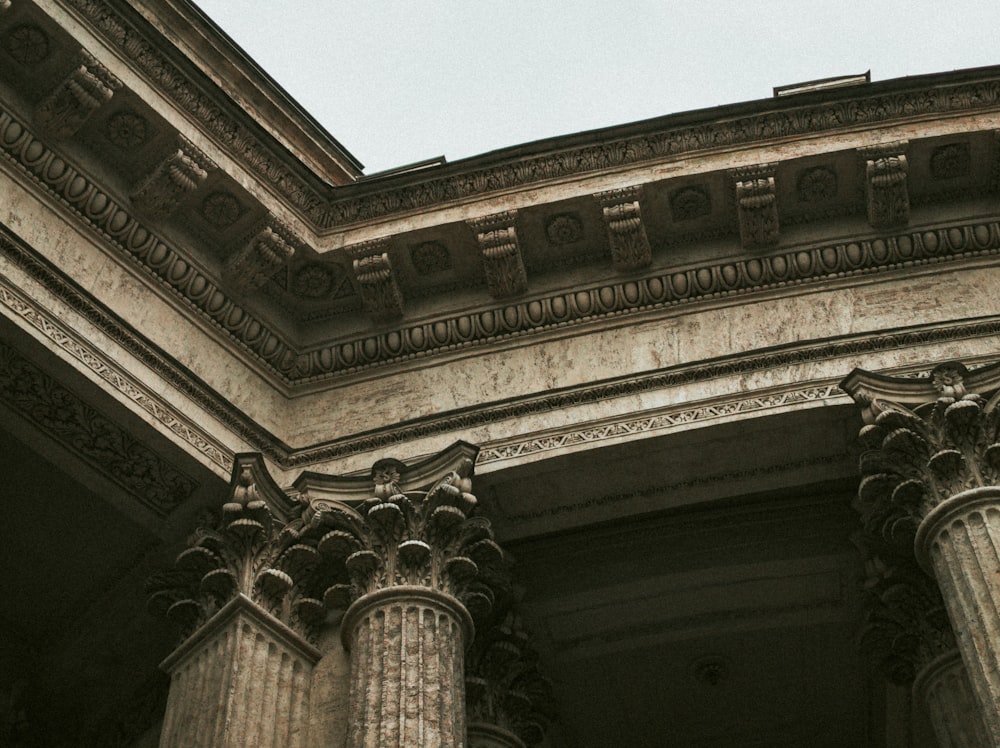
(673, 136)
(266, 348)
(658, 420)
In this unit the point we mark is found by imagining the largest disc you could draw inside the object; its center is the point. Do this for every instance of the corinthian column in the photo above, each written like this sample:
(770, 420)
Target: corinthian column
(510, 702)
(908, 635)
(413, 555)
(247, 593)
(932, 469)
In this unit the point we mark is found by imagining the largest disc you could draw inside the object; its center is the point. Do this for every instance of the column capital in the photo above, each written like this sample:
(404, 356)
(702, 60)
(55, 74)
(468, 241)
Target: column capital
(927, 439)
(256, 550)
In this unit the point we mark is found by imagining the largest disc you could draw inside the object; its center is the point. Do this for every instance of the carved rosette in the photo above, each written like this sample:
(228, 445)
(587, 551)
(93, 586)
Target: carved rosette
(171, 180)
(415, 560)
(757, 206)
(886, 189)
(931, 473)
(86, 88)
(630, 248)
(501, 254)
(269, 247)
(510, 702)
(377, 282)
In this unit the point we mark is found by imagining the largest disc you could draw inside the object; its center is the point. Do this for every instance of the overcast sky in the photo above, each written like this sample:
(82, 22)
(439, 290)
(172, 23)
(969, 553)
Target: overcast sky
(398, 81)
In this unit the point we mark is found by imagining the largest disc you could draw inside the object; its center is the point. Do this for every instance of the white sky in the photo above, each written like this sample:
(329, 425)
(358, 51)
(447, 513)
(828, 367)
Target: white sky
(398, 81)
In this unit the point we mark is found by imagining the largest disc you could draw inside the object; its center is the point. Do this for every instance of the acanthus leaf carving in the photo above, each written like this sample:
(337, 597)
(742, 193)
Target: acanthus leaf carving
(630, 248)
(67, 107)
(921, 454)
(425, 538)
(501, 254)
(504, 686)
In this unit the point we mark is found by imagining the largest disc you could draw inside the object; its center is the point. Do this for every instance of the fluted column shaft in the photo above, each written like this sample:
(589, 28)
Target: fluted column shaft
(943, 685)
(407, 647)
(242, 679)
(959, 540)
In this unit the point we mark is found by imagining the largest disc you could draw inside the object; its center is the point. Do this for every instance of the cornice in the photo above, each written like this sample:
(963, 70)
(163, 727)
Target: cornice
(665, 139)
(269, 350)
(232, 128)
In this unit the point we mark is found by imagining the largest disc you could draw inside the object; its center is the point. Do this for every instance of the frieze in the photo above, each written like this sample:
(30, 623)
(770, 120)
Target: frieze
(82, 430)
(650, 422)
(290, 458)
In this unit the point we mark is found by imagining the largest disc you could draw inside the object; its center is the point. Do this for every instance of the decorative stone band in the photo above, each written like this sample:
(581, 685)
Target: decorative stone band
(959, 542)
(407, 647)
(271, 350)
(943, 685)
(242, 679)
(485, 735)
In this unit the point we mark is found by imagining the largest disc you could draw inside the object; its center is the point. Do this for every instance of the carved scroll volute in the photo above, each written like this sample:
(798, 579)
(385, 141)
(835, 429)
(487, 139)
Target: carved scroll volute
(886, 187)
(260, 255)
(377, 282)
(177, 175)
(630, 248)
(89, 86)
(756, 205)
(501, 253)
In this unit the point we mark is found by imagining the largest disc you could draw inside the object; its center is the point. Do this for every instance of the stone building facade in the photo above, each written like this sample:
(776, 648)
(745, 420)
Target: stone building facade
(554, 446)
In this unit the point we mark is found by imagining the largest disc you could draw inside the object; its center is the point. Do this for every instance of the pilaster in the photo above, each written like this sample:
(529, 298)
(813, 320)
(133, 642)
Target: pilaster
(247, 592)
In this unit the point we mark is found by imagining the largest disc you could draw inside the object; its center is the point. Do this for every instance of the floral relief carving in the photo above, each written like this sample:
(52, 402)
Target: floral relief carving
(127, 130)
(430, 257)
(564, 228)
(27, 44)
(689, 203)
(82, 430)
(951, 161)
(816, 185)
(221, 209)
